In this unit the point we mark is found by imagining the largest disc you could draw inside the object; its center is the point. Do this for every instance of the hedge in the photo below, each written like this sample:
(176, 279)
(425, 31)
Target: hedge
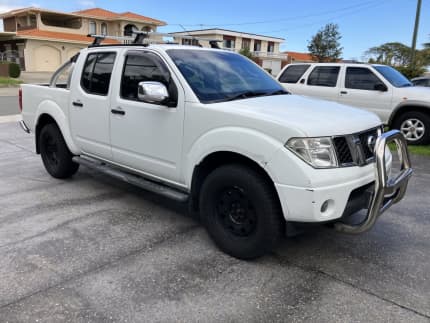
(13, 70)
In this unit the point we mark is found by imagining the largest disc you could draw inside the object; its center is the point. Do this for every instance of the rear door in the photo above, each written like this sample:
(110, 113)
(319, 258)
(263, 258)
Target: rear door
(362, 88)
(89, 106)
(322, 82)
(291, 76)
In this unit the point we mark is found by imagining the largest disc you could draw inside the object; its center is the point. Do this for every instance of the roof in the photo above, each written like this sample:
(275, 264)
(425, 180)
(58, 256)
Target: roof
(91, 13)
(58, 36)
(221, 31)
(300, 56)
(110, 15)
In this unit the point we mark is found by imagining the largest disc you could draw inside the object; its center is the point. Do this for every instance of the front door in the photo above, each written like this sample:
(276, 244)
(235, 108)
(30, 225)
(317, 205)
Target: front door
(362, 88)
(89, 105)
(147, 137)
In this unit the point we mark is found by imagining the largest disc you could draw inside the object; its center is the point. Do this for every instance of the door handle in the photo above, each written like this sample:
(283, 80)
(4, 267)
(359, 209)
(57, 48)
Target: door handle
(77, 104)
(118, 111)
(343, 92)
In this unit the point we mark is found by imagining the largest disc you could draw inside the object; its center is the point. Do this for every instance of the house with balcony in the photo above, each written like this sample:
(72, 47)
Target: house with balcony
(42, 40)
(265, 49)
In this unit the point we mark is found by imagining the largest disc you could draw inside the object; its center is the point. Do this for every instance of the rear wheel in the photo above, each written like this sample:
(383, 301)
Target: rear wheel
(415, 126)
(55, 154)
(241, 211)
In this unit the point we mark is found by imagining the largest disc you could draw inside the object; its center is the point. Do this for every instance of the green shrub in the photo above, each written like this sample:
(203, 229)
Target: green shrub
(14, 70)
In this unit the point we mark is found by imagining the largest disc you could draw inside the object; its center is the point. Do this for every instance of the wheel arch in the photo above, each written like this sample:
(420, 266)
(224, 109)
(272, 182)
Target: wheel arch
(50, 112)
(408, 107)
(217, 159)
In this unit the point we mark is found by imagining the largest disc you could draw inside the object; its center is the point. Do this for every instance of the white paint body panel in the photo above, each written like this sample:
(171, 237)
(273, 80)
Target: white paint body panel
(168, 143)
(384, 104)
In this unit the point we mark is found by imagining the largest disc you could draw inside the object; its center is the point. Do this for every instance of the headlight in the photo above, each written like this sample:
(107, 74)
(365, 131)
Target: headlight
(317, 152)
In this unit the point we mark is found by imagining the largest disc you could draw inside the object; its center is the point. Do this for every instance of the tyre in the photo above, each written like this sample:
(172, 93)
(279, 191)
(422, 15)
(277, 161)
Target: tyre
(241, 211)
(56, 156)
(415, 126)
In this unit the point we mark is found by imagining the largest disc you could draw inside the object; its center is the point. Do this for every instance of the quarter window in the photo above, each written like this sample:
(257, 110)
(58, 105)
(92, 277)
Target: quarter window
(142, 67)
(361, 78)
(97, 73)
(324, 76)
(293, 73)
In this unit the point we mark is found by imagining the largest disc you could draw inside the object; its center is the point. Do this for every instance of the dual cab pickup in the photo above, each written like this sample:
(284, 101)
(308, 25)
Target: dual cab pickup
(212, 128)
(377, 88)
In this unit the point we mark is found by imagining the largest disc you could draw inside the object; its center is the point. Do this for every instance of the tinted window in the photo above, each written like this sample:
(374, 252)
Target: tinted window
(293, 73)
(324, 76)
(218, 76)
(143, 67)
(97, 73)
(421, 82)
(361, 78)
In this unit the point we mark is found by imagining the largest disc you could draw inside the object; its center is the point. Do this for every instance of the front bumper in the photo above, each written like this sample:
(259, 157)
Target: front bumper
(369, 188)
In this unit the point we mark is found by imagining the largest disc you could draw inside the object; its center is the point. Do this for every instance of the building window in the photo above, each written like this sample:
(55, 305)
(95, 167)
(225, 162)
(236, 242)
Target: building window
(246, 43)
(270, 47)
(257, 45)
(190, 42)
(92, 28)
(229, 42)
(104, 29)
(129, 29)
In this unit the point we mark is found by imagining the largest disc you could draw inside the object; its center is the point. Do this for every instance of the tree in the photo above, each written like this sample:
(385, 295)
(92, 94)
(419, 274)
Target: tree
(325, 46)
(246, 52)
(398, 56)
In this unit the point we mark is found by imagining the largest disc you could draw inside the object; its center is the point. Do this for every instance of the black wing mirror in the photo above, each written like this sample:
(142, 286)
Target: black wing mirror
(381, 87)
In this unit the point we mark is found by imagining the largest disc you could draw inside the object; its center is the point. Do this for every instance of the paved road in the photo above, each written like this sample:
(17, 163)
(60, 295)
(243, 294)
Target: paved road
(9, 105)
(91, 249)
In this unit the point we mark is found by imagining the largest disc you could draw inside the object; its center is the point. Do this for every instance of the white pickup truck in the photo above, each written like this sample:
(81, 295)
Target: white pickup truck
(377, 88)
(212, 128)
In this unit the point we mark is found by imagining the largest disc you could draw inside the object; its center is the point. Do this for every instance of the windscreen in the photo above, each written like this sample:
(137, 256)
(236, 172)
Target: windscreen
(393, 76)
(217, 76)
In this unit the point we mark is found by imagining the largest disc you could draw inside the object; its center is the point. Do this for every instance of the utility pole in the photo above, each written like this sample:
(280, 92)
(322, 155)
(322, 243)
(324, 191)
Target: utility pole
(414, 38)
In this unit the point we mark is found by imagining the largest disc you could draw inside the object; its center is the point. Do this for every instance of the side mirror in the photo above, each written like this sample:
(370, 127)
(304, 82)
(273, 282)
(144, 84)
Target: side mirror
(152, 92)
(381, 87)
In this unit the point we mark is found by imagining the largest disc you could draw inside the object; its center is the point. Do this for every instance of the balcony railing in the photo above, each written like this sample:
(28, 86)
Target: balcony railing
(262, 54)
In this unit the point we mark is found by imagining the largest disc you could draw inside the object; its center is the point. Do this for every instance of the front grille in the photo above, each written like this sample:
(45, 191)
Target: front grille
(368, 153)
(342, 149)
(354, 149)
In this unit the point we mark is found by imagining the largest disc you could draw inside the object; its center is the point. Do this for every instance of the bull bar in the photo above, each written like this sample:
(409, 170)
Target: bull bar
(387, 191)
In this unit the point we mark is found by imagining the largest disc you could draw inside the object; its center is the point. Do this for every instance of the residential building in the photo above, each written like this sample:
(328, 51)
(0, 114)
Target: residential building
(41, 40)
(265, 49)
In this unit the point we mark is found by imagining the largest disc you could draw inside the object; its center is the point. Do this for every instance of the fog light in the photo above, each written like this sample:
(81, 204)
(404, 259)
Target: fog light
(324, 206)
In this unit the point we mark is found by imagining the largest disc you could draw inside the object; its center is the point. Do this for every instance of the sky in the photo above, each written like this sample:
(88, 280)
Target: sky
(362, 23)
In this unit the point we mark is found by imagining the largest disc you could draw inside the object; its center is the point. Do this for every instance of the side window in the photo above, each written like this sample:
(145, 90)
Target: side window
(97, 73)
(324, 76)
(143, 67)
(293, 73)
(361, 78)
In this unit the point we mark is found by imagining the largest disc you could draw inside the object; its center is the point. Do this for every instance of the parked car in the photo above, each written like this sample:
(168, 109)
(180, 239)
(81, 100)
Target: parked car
(421, 81)
(377, 88)
(212, 128)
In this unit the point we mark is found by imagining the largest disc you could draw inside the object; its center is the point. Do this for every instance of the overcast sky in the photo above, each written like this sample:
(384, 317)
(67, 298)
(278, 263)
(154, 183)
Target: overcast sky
(363, 24)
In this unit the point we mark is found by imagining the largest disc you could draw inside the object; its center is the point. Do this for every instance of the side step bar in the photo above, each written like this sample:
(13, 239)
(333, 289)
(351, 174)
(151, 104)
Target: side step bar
(138, 181)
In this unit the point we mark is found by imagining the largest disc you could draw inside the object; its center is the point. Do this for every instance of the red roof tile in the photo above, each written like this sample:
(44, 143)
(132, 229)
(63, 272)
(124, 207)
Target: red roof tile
(37, 33)
(106, 14)
(299, 56)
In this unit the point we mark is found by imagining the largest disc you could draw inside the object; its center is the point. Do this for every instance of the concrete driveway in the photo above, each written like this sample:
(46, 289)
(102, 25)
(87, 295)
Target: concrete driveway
(91, 249)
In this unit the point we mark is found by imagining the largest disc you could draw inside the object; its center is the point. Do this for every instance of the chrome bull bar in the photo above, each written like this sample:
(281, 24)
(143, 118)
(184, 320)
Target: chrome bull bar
(387, 191)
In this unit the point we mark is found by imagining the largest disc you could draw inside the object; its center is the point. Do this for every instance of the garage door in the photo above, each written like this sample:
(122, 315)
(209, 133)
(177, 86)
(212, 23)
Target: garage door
(47, 59)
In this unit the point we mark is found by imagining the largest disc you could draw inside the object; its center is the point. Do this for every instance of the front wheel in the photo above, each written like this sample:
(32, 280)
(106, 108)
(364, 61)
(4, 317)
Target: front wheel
(55, 154)
(415, 126)
(241, 211)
